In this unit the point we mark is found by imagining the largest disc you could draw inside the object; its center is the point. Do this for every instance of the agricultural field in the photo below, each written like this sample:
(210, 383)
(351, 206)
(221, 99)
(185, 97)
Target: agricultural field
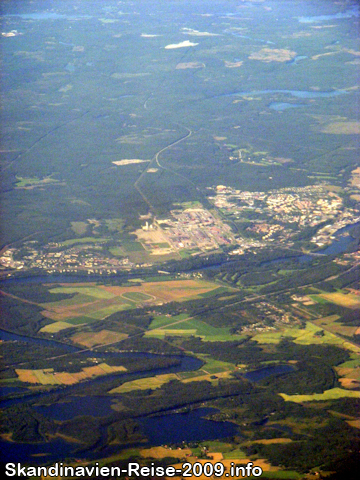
(304, 336)
(349, 373)
(216, 451)
(212, 371)
(92, 302)
(183, 325)
(29, 183)
(332, 325)
(91, 339)
(342, 298)
(151, 383)
(332, 394)
(47, 376)
(83, 240)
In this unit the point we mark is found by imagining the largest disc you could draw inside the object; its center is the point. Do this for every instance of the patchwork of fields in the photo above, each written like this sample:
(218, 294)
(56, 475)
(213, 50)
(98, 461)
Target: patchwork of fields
(92, 302)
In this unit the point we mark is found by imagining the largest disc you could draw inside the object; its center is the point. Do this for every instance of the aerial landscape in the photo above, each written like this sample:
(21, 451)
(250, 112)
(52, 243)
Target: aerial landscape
(179, 255)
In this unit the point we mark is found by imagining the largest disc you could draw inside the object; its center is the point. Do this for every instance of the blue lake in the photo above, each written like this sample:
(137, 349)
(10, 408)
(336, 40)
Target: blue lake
(159, 430)
(190, 426)
(261, 373)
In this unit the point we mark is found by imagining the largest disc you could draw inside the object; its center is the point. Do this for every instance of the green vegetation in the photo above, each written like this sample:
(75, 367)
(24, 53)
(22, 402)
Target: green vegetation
(82, 240)
(332, 394)
(106, 129)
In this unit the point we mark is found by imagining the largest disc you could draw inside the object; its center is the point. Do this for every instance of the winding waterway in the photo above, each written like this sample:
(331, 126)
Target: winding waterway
(187, 426)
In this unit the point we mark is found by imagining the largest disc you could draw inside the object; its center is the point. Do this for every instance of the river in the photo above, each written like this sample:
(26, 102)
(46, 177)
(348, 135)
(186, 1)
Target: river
(172, 427)
(160, 429)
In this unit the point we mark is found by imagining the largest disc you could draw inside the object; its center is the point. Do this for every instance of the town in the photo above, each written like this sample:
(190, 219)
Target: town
(277, 212)
(270, 217)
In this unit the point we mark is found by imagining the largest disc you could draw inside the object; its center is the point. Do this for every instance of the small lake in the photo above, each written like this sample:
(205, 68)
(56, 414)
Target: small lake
(190, 426)
(261, 373)
(95, 406)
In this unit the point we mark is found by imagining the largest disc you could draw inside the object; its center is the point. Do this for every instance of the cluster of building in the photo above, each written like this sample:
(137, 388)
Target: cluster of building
(269, 216)
(275, 317)
(77, 259)
(276, 210)
(196, 228)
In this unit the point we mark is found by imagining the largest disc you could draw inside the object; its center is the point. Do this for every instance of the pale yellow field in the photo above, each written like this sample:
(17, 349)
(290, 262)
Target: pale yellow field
(354, 423)
(217, 457)
(145, 383)
(89, 339)
(343, 299)
(332, 394)
(56, 327)
(47, 376)
(331, 324)
(162, 452)
(350, 383)
(162, 332)
(269, 441)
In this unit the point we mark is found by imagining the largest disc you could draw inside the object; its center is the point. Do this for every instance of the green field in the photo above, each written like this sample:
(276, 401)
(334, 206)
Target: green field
(234, 455)
(217, 291)
(332, 394)
(23, 182)
(303, 336)
(56, 327)
(130, 246)
(105, 312)
(77, 299)
(167, 326)
(80, 320)
(117, 251)
(92, 291)
(74, 241)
